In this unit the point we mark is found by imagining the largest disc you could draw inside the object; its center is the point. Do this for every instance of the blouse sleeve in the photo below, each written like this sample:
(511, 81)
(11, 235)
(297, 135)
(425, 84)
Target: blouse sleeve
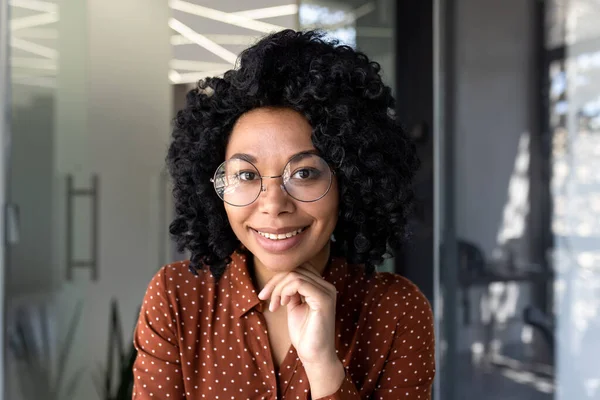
(157, 371)
(410, 366)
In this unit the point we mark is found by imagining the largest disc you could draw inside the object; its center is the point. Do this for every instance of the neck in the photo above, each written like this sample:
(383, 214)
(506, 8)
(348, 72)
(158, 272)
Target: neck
(262, 275)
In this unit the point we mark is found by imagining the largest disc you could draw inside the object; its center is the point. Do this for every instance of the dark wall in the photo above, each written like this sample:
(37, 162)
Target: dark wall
(414, 95)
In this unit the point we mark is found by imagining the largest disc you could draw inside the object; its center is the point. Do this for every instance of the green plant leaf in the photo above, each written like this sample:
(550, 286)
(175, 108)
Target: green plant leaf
(125, 388)
(45, 341)
(24, 330)
(71, 386)
(98, 380)
(67, 345)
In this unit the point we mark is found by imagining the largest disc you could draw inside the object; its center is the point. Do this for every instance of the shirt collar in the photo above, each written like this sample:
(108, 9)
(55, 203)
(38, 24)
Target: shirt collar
(243, 291)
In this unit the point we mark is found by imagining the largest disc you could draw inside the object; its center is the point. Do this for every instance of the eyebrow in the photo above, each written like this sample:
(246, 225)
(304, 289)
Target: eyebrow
(253, 160)
(243, 156)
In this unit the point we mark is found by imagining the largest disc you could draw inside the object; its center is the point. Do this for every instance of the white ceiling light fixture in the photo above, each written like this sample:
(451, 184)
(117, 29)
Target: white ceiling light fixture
(174, 77)
(189, 65)
(193, 77)
(35, 5)
(269, 12)
(33, 48)
(231, 40)
(37, 71)
(192, 65)
(33, 63)
(178, 40)
(228, 18)
(37, 33)
(202, 41)
(33, 20)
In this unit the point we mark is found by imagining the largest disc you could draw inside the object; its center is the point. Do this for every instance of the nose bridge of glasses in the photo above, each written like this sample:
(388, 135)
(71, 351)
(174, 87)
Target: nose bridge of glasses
(281, 185)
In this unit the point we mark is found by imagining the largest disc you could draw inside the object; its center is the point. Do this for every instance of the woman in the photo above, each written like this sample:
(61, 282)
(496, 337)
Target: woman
(291, 180)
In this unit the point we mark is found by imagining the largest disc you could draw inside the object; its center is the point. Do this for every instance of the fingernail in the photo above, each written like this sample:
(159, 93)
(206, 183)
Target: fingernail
(260, 294)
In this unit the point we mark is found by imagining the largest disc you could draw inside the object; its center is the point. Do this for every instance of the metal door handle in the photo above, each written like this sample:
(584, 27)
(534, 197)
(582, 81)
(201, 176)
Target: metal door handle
(72, 193)
(12, 224)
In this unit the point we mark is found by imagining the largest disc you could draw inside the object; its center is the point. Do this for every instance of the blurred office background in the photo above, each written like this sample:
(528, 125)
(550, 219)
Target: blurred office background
(502, 98)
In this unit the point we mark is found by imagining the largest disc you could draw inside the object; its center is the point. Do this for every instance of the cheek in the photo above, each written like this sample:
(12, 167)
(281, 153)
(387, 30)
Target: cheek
(236, 216)
(326, 209)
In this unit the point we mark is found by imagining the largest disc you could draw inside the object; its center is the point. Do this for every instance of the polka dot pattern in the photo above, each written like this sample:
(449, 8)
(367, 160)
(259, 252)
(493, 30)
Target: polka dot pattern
(198, 338)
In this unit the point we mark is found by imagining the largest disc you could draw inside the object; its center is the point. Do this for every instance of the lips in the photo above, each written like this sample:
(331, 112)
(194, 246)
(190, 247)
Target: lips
(280, 240)
(280, 236)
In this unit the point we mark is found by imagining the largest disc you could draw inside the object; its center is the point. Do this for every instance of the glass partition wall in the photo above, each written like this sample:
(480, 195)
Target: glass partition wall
(517, 206)
(89, 106)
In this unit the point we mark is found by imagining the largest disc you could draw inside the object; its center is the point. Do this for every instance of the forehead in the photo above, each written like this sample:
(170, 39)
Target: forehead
(270, 134)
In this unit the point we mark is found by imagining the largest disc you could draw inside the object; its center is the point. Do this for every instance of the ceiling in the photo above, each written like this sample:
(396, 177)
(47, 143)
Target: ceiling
(207, 35)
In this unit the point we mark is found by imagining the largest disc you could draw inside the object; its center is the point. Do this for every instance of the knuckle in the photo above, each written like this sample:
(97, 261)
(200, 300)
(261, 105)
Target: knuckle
(295, 275)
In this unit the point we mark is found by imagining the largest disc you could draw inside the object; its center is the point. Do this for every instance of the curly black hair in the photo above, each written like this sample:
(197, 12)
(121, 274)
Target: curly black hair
(341, 93)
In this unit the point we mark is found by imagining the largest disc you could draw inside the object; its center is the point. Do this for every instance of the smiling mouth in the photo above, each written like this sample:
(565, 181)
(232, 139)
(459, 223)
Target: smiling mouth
(280, 236)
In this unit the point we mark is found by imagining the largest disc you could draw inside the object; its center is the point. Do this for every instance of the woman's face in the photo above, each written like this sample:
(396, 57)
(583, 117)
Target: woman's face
(270, 138)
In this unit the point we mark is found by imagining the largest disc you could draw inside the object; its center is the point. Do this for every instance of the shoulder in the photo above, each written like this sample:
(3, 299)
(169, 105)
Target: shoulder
(400, 298)
(179, 272)
(395, 287)
(175, 295)
(175, 279)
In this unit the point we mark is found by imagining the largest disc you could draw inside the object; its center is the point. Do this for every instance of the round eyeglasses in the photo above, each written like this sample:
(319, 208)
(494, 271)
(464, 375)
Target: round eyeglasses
(306, 177)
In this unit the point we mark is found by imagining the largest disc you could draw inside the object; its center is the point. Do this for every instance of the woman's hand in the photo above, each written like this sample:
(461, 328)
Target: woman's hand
(311, 302)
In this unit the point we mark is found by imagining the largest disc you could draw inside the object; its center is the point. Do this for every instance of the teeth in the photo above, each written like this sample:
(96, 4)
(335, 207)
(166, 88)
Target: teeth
(280, 236)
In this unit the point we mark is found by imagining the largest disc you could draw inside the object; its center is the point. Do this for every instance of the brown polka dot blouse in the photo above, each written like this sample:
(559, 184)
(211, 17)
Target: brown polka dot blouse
(198, 338)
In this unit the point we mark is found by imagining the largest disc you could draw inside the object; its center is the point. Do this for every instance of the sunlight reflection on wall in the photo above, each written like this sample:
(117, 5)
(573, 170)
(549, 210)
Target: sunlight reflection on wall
(575, 126)
(517, 207)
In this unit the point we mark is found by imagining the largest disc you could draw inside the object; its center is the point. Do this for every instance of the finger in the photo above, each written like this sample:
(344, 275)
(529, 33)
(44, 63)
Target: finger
(276, 298)
(266, 291)
(316, 297)
(306, 268)
(292, 301)
(316, 278)
(288, 299)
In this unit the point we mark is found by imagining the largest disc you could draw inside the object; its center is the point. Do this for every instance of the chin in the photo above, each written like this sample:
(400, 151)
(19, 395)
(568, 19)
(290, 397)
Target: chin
(279, 262)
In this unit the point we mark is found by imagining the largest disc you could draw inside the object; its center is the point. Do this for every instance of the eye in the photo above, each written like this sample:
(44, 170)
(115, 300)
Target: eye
(306, 173)
(247, 175)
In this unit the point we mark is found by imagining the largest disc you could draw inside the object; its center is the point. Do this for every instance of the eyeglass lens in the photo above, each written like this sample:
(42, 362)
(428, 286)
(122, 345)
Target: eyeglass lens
(306, 177)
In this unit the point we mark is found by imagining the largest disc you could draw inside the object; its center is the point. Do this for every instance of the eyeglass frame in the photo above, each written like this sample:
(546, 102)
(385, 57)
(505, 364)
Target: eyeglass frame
(263, 188)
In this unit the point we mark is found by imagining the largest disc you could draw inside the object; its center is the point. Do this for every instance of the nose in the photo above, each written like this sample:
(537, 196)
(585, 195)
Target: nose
(273, 198)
